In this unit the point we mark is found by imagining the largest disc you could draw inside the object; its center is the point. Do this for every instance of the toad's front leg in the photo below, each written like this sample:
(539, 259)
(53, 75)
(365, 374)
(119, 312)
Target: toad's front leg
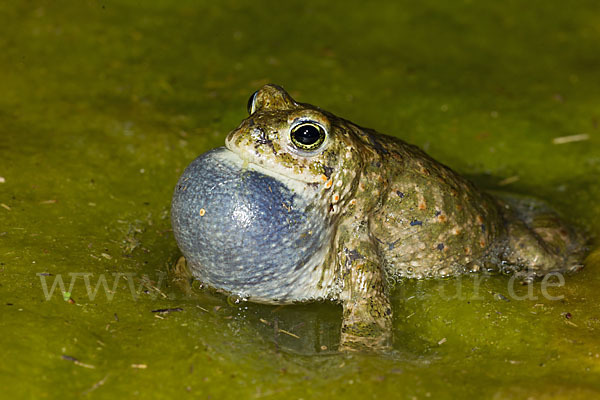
(367, 322)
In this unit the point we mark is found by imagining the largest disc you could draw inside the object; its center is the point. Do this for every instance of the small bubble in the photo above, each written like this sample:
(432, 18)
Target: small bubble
(234, 300)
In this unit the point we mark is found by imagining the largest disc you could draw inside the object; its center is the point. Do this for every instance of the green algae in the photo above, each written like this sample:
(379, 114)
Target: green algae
(104, 103)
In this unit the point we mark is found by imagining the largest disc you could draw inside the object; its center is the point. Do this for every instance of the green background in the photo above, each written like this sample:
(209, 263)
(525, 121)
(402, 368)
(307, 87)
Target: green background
(102, 105)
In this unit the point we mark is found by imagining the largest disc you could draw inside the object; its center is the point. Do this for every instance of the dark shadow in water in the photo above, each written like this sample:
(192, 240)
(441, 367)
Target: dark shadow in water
(306, 329)
(575, 199)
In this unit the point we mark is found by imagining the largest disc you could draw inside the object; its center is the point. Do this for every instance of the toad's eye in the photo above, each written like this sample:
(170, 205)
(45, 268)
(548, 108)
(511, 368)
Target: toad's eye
(251, 106)
(308, 136)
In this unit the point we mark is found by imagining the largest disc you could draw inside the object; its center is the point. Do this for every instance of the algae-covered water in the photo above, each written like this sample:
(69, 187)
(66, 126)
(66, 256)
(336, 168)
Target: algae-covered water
(102, 105)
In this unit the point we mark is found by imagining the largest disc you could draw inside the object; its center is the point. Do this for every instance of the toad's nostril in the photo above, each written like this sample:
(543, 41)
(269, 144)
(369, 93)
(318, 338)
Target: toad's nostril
(260, 136)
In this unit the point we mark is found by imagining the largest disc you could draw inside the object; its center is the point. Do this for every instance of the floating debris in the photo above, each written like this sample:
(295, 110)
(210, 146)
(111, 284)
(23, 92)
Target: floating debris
(139, 366)
(278, 308)
(2, 179)
(500, 296)
(96, 385)
(77, 362)
(4, 206)
(568, 316)
(442, 341)
(151, 286)
(289, 333)
(509, 180)
(569, 139)
(277, 330)
(167, 310)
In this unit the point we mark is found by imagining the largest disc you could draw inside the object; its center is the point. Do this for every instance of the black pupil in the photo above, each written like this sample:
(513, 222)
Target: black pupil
(307, 134)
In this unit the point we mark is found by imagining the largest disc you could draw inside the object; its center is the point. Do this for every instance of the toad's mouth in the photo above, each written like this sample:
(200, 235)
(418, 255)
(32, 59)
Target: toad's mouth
(271, 166)
(298, 186)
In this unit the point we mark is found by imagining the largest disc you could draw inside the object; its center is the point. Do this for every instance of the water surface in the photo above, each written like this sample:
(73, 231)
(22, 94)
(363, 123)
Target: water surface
(103, 104)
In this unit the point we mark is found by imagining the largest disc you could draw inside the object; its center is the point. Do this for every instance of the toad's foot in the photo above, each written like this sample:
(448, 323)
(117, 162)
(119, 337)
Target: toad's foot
(181, 275)
(538, 241)
(367, 325)
(367, 322)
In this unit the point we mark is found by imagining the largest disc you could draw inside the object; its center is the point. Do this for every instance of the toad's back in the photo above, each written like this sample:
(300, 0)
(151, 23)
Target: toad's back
(432, 222)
